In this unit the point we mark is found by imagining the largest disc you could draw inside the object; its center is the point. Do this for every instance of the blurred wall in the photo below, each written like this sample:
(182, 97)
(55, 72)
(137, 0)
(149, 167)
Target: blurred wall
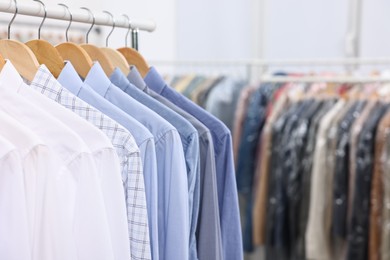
(244, 29)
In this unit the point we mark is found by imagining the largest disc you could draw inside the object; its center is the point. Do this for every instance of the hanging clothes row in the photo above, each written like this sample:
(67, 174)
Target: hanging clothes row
(101, 159)
(311, 164)
(217, 94)
(315, 188)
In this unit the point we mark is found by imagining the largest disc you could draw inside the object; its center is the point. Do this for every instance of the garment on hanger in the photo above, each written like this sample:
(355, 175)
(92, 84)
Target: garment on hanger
(112, 170)
(132, 173)
(170, 160)
(73, 158)
(104, 155)
(208, 232)
(190, 141)
(226, 182)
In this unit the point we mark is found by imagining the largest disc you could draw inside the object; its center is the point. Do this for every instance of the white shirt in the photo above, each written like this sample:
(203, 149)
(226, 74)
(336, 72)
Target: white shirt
(36, 164)
(81, 226)
(14, 235)
(105, 157)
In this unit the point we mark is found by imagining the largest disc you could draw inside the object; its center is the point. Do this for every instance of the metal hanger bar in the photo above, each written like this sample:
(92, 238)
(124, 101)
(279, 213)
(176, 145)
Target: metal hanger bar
(263, 63)
(59, 13)
(334, 79)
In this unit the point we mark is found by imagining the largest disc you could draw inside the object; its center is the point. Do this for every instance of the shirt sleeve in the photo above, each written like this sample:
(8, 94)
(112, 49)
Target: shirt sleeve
(173, 209)
(209, 228)
(89, 213)
(14, 235)
(107, 164)
(149, 162)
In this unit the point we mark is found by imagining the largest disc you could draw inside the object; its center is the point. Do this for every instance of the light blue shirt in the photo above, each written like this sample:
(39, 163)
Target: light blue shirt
(173, 212)
(189, 138)
(70, 80)
(226, 180)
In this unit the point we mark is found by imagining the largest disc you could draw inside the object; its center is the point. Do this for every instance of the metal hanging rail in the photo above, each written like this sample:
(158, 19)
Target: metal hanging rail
(78, 15)
(333, 79)
(266, 63)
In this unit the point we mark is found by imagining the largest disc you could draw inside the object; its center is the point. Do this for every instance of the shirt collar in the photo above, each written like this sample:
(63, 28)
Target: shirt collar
(97, 79)
(154, 80)
(119, 79)
(135, 78)
(70, 79)
(45, 80)
(9, 77)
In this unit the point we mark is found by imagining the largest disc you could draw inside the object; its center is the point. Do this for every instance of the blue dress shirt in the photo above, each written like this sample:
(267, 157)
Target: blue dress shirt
(70, 80)
(226, 181)
(208, 232)
(173, 212)
(189, 138)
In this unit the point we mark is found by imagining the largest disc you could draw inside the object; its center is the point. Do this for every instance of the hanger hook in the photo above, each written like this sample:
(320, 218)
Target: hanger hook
(44, 17)
(70, 21)
(13, 18)
(113, 26)
(129, 29)
(93, 22)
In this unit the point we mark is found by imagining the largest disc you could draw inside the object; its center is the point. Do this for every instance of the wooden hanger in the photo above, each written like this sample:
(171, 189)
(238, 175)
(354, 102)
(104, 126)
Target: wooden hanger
(45, 52)
(48, 55)
(19, 54)
(97, 54)
(74, 53)
(115, 56)
(21, 57)
(132, 56)
(2, 62)
(117, 59)
(77, 56)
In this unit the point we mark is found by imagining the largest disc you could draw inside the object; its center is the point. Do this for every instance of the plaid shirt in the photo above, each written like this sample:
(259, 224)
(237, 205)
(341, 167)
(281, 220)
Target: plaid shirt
(128, 153)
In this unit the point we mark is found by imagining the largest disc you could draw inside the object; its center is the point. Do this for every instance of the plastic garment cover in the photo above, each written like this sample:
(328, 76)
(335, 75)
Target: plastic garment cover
(340, 181)
(294, 169)
(376, 206)
(359, 226)
(262, 169)
(317, 244)
(385, 238)
(253, 125)
(277, 214)
(277, 132)
(307, 162)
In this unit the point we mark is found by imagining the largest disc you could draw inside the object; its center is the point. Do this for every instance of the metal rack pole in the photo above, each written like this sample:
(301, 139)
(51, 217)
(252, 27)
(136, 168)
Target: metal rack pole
(35, 9)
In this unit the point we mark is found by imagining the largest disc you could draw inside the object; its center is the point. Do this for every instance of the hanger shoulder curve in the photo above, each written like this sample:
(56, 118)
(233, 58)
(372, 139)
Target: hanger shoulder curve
(21, 57)
(2, 62)
(77, 56)
(133, 57)
(48, 55)
(97, 54)
(117, 59)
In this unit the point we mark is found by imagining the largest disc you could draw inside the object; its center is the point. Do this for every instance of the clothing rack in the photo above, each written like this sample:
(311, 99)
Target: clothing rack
(333, 79)
(255, 69)
(266, 63)
(32, 8)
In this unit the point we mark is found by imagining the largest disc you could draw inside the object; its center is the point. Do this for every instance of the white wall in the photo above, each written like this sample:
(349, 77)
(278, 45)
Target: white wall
(232, 29)
(160, 45)
(305, 29)
(375, 36)
(217, 29)
(292, 29)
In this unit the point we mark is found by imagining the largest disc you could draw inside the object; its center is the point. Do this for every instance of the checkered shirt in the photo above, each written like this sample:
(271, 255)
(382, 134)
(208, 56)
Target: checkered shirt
(128, 153)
